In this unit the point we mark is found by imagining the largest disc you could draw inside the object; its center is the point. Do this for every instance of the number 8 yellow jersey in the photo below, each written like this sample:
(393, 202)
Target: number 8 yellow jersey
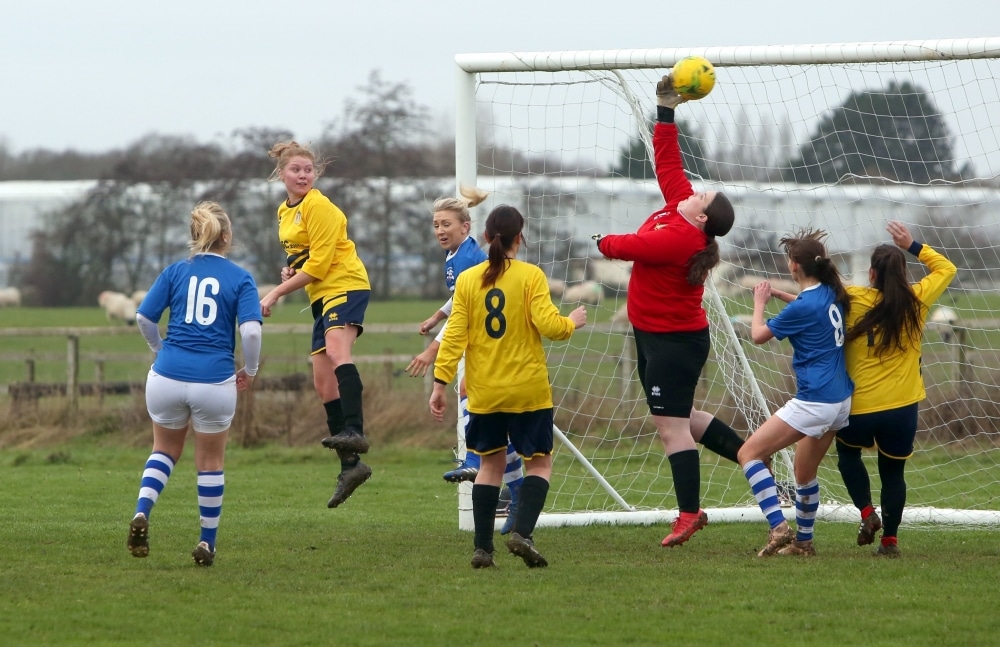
(499, 328)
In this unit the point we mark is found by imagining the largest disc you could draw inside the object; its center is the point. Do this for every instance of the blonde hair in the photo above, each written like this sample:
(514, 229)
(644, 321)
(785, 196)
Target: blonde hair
(211, 230)
(460, 206)
(285, 151)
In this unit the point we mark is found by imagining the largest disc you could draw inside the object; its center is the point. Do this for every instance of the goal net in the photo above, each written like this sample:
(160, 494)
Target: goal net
(837, 137)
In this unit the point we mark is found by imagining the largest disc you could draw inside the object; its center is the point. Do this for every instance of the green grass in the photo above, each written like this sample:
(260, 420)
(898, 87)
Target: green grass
(389, 567)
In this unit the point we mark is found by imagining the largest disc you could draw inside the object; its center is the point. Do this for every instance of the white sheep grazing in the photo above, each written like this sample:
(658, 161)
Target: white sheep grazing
(138, 296)
(589, 292)
(118, 307)
(619, 321)
(557, 287)
(262, 291)
(107, 295)
(10, 297)
(944, 319)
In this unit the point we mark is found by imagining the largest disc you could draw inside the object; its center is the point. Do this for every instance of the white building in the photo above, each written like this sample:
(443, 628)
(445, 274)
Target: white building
(854, 215)
(23, 205)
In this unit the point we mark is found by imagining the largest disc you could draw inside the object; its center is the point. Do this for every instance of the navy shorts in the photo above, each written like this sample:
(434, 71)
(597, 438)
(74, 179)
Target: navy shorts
(530, 432)
(669, 366)
(338, 311)
(892, 431)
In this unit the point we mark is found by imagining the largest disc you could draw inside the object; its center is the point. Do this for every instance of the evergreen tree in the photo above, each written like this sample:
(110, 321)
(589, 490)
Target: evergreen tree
(897, 134)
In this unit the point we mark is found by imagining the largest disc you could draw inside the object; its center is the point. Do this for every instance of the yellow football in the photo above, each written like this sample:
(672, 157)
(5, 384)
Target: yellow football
(694, 77)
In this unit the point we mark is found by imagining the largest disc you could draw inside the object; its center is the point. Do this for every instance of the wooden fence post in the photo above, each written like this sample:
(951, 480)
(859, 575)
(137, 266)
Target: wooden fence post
(99, 382)
(964, 367)
(72, 370)
(626, 367)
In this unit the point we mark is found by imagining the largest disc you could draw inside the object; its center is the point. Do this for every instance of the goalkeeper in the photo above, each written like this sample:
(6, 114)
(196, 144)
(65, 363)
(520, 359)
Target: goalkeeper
(672, 254)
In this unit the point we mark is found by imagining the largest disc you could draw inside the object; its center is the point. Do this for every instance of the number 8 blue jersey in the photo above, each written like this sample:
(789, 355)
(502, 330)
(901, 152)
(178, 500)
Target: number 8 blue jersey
(814, 324)
(208, 296)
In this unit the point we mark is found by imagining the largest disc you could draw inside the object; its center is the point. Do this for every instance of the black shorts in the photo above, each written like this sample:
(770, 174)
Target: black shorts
(530, 432)
(892, 431)
(669, 366)
(337, 311)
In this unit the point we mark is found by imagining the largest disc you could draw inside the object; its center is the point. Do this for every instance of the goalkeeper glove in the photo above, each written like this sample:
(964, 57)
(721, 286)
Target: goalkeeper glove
(666, 96)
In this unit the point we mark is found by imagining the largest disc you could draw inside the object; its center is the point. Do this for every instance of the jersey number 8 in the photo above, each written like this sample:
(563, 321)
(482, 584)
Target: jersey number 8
(496, 323)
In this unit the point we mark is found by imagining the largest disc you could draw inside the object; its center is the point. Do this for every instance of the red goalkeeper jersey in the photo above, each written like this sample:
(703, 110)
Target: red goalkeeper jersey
(660, 299)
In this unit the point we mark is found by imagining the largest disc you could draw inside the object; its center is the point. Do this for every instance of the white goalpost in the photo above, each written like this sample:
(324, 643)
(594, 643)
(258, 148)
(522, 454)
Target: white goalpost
(840, 137)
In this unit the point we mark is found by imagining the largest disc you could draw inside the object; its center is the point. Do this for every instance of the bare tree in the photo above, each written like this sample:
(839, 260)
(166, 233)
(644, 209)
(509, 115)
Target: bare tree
(381, 140)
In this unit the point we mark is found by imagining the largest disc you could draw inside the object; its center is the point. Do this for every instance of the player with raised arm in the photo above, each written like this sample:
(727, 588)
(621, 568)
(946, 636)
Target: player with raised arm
(502, 308)
(452, 223)
(814, 324)
(884, 333)
(193, 381)
(672, 253)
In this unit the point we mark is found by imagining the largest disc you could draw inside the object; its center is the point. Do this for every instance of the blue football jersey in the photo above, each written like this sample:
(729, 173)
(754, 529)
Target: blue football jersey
(467, 255)
(814, 324)
(208, 296)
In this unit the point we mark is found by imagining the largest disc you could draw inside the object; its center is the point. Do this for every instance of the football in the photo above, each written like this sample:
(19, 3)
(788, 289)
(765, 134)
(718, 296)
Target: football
(694, 77)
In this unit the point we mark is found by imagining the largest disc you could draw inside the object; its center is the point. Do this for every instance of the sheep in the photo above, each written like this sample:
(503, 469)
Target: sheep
(613, 274)
(589, 292)
(104, 297)
(117, 307)
(741, 325)
(944, 319)
(619, 321)
(556, 287)
(10, 297)
(138, 296)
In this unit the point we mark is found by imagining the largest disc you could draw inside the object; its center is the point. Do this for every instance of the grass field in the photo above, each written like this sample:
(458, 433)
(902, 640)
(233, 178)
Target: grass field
(389, 567)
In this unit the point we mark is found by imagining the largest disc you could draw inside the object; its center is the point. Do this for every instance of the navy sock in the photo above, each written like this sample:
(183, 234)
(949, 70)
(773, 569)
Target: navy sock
(534, 490)
(334, 416)
(349, 383)
(484, 514)
(893, 496)
(855, 475)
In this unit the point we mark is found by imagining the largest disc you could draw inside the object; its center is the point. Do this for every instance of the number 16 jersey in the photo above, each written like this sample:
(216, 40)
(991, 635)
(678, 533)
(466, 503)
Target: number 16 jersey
(500, 330)
(208, 296)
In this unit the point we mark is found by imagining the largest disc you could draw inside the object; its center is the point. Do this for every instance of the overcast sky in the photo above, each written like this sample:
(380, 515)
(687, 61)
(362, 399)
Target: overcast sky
(93, 75)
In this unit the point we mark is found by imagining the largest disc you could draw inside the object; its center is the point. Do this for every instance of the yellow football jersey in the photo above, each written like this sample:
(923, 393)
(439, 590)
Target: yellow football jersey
(500, 330)
(893, 380)
(314, 235)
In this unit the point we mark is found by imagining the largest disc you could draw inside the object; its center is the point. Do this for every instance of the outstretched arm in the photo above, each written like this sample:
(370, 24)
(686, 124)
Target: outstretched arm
(674, 184)
(942, 270)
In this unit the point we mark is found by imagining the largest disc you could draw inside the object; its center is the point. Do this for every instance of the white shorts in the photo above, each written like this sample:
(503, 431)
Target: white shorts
(815, 418)
(209, 407)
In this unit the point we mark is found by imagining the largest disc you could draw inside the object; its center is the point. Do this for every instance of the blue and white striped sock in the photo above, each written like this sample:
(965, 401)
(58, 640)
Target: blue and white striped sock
(513, 474)
(765, 491)
(210, 486)
(154, 479)
(806, 505)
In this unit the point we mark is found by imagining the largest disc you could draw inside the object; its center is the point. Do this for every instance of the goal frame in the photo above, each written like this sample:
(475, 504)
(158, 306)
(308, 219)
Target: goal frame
(470, 66)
